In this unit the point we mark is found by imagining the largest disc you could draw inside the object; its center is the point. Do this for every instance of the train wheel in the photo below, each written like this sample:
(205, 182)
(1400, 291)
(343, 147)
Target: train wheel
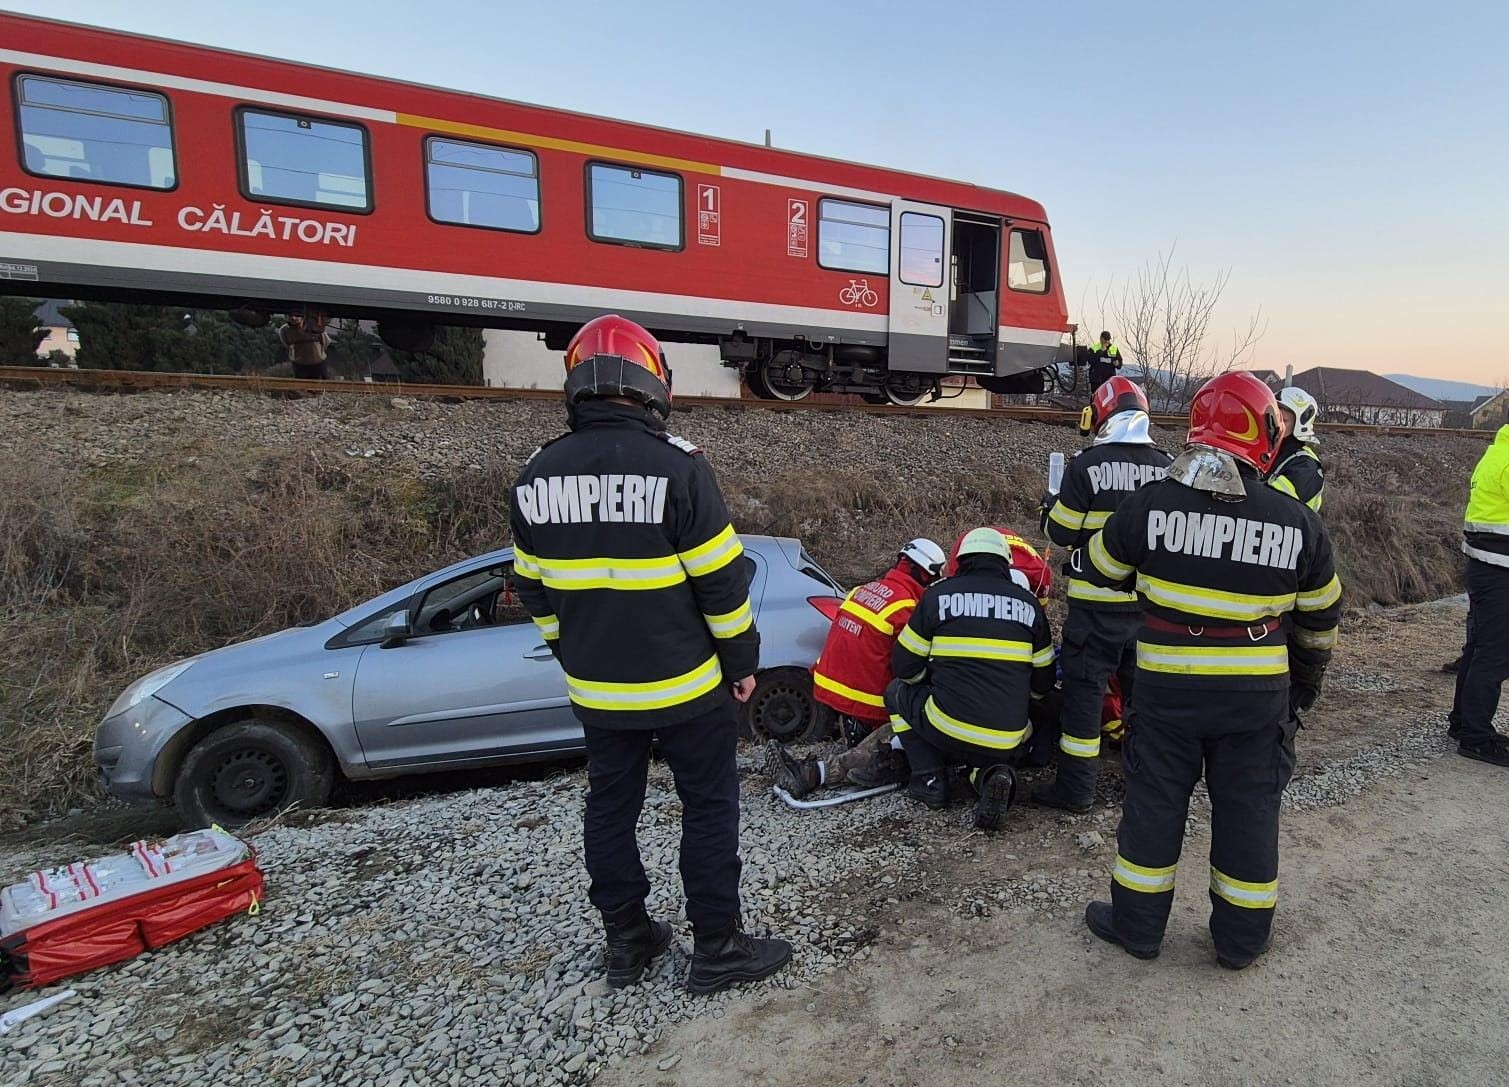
(904, 398)
(782, 381)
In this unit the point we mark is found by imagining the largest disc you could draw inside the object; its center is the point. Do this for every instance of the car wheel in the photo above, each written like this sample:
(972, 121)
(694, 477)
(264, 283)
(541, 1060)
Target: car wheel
(782, 708)
(250, 770)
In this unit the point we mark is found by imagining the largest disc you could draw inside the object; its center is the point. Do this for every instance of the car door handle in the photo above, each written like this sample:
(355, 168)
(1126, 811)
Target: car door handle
(539, 653)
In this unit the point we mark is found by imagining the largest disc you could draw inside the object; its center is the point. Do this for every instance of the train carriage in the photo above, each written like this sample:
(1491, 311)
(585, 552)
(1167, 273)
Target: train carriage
(159, 171)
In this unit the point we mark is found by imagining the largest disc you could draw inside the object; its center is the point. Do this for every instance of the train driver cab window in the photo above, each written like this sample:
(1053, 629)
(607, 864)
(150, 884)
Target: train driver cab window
(288, 159)
(474, 184)
(1027, 262)
(921, 249)
(633, 207)
(854, 237)
(89, 132)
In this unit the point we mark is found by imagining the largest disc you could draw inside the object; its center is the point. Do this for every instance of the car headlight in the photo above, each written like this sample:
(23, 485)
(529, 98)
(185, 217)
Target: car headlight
(148, 685)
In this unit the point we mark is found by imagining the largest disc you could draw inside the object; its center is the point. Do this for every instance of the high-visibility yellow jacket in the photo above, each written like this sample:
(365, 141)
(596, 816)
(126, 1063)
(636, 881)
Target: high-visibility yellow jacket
(1485, 527)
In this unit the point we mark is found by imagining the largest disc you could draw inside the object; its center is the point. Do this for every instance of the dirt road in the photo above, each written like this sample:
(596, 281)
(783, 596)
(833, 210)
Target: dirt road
(1391, 967)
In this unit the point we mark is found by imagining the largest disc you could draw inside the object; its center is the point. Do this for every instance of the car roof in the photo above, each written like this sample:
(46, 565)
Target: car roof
(768, 546)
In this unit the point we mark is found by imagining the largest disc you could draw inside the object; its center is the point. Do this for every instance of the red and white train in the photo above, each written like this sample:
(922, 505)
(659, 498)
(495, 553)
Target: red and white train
(159, 171)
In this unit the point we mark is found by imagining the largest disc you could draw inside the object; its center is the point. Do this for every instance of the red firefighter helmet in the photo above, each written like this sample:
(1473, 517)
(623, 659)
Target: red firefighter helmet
(1115, 395)
(612, 356)
(1238, 413)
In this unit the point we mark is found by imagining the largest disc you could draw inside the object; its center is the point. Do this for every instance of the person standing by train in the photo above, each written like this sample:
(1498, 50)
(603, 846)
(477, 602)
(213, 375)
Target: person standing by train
(307, 343)
(625, 558)
(1105, 361)
(1100, 631)
(1484, 664)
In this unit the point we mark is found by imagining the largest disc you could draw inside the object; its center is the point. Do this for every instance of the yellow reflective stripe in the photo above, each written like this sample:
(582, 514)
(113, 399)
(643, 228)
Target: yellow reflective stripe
(827, 684)
(1043, 656)
(974, 734)
(986, 649)
(1112, 728)
(525, 564)
(868, 617)
(730, 624)
(899, 724)
(550, 626)
(1094, 594)
(1214, 660)
(1215, 603)
(568, 575)
(1321, 598)
(895, 606)
(1074, 745)
(653, 695)
(1139, 877)
(709, 557)
(1112, 568)
(1096, 519)
(1315, 639)
(913, 641)
(1315, 502)
(1239, 892)
(1067, 516)
(1283, 485)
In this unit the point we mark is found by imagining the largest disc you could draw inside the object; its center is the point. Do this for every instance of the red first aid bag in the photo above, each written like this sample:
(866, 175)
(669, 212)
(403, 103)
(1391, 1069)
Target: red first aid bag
(63, 921)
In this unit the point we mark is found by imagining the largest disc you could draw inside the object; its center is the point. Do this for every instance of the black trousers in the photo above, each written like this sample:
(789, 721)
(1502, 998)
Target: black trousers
(1243, 743)
(1100, 373)
(929, 751)
(1097, 645)
(701, 756)
(1485, 658)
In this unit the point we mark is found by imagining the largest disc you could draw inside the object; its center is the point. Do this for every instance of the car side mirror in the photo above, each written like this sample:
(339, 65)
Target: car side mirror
(396, 631)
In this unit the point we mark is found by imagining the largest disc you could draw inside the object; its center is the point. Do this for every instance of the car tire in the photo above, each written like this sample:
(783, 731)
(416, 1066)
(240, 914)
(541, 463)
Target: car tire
(782, 708)
(250, 770)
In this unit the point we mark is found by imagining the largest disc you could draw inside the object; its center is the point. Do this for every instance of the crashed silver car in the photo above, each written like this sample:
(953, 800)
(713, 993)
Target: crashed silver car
(443, 673)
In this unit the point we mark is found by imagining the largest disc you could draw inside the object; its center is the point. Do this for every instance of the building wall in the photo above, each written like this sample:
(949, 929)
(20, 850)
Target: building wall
(1383, 415)
(57, 340)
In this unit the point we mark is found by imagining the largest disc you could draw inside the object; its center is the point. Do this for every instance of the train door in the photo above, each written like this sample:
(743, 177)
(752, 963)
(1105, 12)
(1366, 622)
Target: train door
(975, 294)
(919, 291)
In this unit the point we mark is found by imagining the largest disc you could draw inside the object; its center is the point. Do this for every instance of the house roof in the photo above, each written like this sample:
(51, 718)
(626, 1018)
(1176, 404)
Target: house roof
(49, 313)
(1484, 402)
(1479, 401)
(1336, 387)
(1267, 377)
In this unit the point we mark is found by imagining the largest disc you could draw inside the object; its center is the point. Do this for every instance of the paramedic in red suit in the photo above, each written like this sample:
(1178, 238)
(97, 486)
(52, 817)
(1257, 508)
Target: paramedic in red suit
(625, 558)
(852, 672)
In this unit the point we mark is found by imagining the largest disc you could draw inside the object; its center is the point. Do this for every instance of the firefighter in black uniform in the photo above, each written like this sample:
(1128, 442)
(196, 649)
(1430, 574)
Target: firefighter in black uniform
(1101, 629)
(1105, 360)
(1220, 559)
(624, 556)
(1296, 469)
(969, 662)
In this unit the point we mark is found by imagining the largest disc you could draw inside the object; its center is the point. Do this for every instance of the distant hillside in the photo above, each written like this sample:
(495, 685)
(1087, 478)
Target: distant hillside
(1441, 389)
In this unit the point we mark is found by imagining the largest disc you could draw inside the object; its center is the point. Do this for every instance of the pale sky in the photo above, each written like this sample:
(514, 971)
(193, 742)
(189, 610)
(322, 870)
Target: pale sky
(1347, 162)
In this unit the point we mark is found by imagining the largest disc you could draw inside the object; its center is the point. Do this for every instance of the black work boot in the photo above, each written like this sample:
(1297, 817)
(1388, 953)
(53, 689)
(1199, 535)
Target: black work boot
(726, 956)
(1227, 962)
(1052, 795)
(1494, 750)
(797, 776)
(997, 786)
(633, 940)
(1099, 919)
(930, 787)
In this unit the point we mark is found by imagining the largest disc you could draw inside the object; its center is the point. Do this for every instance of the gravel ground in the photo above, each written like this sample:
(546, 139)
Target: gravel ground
(447, 939)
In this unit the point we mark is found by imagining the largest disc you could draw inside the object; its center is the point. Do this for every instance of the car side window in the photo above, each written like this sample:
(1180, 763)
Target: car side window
(462, 603)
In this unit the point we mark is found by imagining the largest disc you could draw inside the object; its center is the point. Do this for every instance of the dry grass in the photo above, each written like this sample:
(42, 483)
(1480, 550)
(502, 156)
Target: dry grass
(108, 573)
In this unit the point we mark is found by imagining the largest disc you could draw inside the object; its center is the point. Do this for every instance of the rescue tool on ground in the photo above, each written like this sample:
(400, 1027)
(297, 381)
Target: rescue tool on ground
(631, 571)
(1242, 603)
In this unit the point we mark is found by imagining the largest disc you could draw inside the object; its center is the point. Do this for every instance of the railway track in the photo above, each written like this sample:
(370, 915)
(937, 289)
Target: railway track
(148, 379)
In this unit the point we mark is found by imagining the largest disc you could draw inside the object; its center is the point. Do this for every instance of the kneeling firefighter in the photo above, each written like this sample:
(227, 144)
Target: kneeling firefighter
(852, 672)
(969, 662)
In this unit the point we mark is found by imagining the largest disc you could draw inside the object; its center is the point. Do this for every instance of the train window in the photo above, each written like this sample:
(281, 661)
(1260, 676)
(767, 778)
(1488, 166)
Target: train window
(474, 184)
(633, 206)
(1027, 262)
(289, 159)
(921, 249)
(853, 237)
(89, 132)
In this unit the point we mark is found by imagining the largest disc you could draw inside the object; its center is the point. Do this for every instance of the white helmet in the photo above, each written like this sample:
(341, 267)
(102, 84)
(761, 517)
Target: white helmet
(928, 556)
(985, 541)
(1306, 410)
